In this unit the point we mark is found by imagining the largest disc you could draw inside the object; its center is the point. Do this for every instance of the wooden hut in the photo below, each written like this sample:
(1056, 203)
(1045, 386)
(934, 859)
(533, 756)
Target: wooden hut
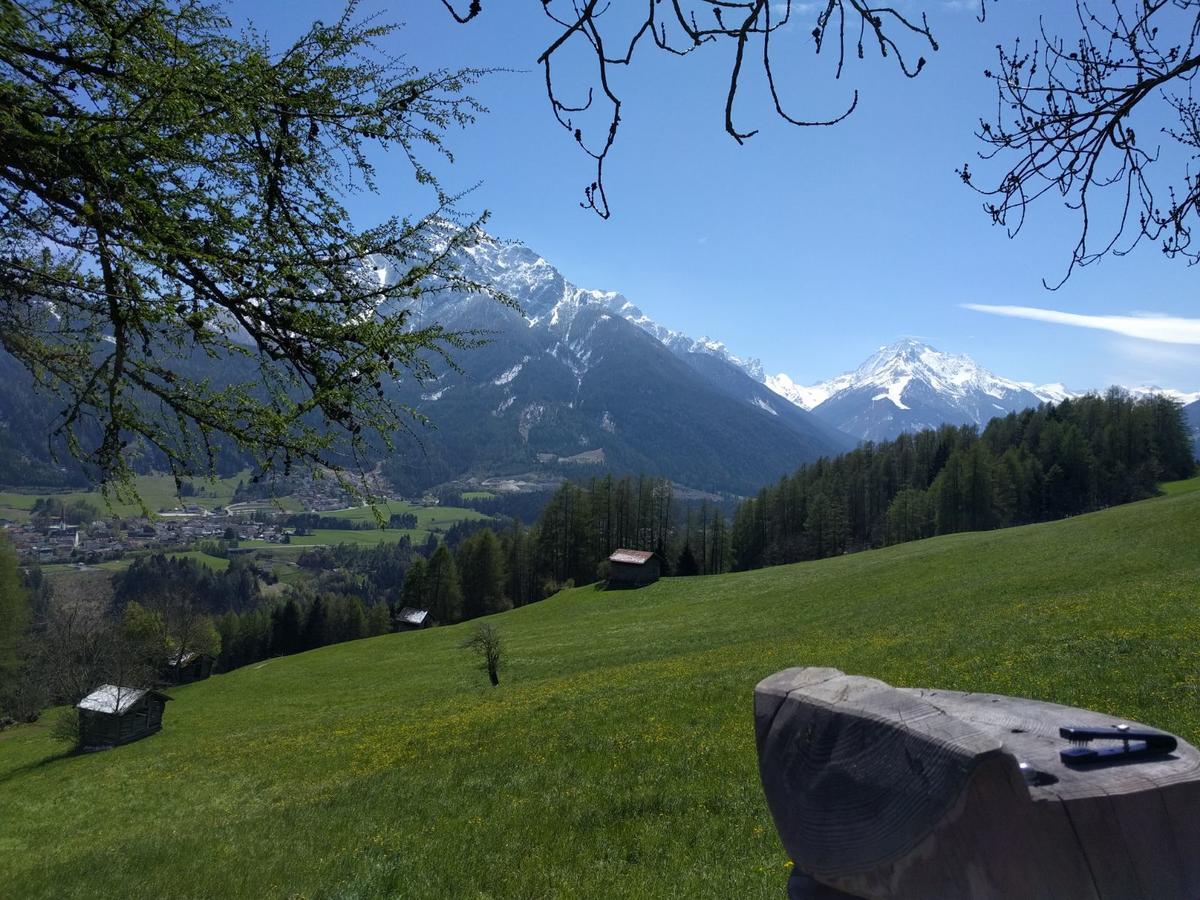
(633, 568)
(189, 667)
(112, 715)
(410, 619)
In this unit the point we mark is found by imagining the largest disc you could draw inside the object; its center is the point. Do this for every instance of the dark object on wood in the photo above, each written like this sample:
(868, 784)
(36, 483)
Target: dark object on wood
(112, 715)
(883, 792)
(633, 568)
(1136, 743)
(189, 667)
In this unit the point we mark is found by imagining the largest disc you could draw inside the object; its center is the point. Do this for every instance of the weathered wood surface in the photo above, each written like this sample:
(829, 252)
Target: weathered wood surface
(886, 792)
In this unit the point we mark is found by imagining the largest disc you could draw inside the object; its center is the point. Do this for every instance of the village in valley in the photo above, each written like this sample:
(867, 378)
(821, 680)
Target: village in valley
(80, 530)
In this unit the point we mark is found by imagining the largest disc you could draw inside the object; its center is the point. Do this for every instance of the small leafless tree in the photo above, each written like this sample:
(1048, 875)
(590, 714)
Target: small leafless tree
(75, 647)
(1065, 125)
(752, 30)
(486, 642)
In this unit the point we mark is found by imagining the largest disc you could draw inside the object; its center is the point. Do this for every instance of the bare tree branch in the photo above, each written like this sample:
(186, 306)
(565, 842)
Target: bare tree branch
(679, 27)
(1064, 125)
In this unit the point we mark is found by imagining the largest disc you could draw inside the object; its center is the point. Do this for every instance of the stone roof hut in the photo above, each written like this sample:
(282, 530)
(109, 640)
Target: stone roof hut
(409, 619)
(113, 715)
(189, 667)
(633, 568)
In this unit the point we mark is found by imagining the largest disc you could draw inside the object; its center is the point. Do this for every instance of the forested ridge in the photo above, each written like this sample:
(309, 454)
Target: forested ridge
(1041, 464)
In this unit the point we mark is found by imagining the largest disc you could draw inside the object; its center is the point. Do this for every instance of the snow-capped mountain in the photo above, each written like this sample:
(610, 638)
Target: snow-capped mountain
(907, 386)
(583, 378)
(1184, 397)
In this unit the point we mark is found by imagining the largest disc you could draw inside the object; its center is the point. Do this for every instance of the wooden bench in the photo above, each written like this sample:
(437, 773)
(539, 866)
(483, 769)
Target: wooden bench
(883, 792)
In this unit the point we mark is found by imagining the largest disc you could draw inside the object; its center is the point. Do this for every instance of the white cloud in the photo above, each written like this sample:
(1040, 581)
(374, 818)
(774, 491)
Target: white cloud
(1146, 326)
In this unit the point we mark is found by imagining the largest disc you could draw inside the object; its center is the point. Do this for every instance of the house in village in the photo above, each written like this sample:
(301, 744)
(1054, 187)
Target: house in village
(188, 667)
(633, 568)
(112, 715)
(409, 619)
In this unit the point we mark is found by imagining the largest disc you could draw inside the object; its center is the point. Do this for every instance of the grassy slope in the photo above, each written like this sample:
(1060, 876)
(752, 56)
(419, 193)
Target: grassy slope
(617, 757)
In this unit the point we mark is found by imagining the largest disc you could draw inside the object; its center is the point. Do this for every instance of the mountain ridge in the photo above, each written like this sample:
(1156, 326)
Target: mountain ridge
(585, 376)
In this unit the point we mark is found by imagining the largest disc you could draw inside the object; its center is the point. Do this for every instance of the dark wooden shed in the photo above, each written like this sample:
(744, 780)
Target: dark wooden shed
(633, 568)
(189, 667)
(409, 619)
(112, 715)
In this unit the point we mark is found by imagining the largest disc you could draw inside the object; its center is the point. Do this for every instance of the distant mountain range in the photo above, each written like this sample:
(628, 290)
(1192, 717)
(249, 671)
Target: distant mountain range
(904, 386)
(582, 382)
(908, 385)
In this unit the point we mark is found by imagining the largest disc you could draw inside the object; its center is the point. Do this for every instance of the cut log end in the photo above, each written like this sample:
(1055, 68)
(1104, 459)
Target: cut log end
(886, 792)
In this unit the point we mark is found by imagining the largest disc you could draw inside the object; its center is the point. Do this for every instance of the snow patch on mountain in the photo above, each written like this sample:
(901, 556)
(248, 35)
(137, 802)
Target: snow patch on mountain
(895, 393)
(1056, 392)
(1184, 397)
(509, 374)
(763, 404)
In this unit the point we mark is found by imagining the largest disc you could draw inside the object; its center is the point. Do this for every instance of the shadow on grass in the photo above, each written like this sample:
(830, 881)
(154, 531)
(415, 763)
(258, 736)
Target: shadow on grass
(31, 767)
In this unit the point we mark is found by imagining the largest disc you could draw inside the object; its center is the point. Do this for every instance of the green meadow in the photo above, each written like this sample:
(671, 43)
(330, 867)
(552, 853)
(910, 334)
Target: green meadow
(617, 756)
(429, 518)
(157, 492)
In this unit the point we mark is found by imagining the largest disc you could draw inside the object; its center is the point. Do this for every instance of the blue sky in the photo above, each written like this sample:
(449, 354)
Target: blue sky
(807, 248)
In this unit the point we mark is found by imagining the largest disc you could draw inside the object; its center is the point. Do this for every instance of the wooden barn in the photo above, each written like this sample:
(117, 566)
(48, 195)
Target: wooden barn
(633, 568)
(112, 715)
(189, 667)
(410, 619)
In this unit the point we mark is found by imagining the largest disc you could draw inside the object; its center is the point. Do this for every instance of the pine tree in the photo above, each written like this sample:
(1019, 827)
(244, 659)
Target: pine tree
(443, 588)
(414, 593)
(286, 625)
(316, 625)
(481, 569)
(687, 564)
(379, 620)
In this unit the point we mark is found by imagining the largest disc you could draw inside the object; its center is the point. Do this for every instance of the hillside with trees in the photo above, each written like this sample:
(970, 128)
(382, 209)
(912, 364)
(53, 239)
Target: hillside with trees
(1041, 464)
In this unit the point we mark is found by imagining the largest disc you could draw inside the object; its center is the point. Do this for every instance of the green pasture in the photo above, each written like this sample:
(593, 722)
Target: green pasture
(616, 759)
(156, 491)
(429, 518)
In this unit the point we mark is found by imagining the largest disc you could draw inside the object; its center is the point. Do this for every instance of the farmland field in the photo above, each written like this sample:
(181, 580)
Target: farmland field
(157, 492)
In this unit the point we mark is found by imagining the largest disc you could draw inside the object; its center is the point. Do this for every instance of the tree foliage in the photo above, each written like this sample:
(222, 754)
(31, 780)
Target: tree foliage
(443, 587)
(486, 642)
(1027, 467)
(481, 569)
(170, 190)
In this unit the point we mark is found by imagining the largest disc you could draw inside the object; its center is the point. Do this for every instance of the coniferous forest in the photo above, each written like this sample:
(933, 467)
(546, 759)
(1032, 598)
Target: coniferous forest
(1041, 464)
